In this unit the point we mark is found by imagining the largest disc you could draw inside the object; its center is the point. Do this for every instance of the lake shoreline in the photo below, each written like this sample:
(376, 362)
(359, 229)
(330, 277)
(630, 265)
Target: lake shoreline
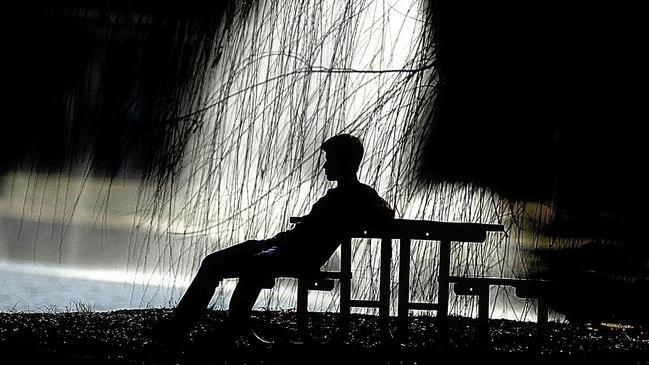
(124, 337)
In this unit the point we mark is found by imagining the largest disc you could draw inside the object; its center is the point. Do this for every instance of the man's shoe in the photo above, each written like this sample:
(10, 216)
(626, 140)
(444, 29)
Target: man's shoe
(243, 329)
(256, 340)
(170, 333)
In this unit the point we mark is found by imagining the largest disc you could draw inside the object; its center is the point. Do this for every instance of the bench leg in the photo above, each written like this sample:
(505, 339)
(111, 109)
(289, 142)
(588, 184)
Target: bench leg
(404, 289)
(345, 286)
(302, 308)
(483, 314)
(442, 292)
(384, 288)
(542, 319)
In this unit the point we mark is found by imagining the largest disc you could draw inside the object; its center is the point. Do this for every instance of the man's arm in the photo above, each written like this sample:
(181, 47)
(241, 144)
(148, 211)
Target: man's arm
(381, 213)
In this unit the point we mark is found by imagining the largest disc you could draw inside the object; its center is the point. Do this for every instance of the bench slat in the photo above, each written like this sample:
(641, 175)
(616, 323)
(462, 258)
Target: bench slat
(312, 284)
(515, 282)
(423, 306)
(426, 230)
(364, 303)
(525, 288)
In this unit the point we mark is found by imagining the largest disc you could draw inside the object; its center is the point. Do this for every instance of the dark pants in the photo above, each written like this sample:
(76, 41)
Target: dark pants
(249, 261)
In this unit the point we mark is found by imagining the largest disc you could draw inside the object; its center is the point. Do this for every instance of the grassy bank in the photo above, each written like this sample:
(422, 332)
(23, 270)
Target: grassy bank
(124, 337)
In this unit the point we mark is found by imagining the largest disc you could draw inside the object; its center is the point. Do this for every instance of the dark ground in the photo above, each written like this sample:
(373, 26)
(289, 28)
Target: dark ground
(123, 337)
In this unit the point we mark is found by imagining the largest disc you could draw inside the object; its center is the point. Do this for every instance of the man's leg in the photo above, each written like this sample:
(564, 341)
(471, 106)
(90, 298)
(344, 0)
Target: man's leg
(242, 301)
(216, 266)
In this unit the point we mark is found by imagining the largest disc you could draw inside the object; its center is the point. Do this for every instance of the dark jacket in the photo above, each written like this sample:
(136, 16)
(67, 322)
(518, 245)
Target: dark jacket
(341, 211)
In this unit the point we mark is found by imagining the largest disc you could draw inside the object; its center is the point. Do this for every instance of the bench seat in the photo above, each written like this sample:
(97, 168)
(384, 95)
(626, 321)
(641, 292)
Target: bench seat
(317, 281)
(525, 288)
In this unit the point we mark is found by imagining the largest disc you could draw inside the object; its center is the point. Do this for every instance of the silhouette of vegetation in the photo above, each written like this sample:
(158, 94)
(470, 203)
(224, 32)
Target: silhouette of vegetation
(218, 109)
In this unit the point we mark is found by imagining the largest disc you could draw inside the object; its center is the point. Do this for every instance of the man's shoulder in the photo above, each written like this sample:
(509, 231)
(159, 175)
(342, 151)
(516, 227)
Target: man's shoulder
(354, 194)
(358, 188)
(369, 192)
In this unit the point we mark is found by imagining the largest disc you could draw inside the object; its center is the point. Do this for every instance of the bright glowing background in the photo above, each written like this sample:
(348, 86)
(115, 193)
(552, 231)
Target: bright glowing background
(291, 75)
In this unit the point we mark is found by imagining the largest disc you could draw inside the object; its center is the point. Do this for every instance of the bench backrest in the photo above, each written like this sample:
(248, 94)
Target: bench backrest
(427, 230)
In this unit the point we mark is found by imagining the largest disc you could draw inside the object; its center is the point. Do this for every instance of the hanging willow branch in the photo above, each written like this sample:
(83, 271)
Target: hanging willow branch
(245, 139)
(248, 95)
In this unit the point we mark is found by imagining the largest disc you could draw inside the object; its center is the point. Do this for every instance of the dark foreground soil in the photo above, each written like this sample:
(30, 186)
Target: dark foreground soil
(124, 337)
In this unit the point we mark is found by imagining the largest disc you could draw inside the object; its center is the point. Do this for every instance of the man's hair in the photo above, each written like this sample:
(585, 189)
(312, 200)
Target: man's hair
(346, 149)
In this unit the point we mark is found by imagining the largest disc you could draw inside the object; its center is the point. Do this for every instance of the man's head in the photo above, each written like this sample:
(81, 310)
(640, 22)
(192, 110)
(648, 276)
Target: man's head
(344, 153)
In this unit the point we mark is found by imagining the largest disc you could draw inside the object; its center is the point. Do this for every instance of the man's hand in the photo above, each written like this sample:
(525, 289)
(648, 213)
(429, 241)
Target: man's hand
(267, 252)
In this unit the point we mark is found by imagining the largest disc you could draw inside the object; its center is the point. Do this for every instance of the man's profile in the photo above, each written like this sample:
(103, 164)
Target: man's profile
(302, 249)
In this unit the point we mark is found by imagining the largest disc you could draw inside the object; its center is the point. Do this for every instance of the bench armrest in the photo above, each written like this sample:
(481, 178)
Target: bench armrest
(295, 220)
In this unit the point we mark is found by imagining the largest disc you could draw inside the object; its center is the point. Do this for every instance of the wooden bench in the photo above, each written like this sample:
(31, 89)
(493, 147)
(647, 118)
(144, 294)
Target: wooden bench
(318, 281)
(405, 230)
(525, 288)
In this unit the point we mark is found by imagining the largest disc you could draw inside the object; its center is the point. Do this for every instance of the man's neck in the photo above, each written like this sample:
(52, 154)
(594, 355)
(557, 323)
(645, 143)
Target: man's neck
(348, 180)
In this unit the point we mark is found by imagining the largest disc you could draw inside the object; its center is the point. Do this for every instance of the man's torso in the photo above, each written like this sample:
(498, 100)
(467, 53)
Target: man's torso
(341, 211)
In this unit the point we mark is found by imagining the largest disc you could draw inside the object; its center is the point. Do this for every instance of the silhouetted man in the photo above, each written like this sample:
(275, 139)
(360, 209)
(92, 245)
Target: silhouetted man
(303, 249)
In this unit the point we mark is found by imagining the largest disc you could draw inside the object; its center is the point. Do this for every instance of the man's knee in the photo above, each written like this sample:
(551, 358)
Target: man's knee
(213, 260)
(254, 281)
